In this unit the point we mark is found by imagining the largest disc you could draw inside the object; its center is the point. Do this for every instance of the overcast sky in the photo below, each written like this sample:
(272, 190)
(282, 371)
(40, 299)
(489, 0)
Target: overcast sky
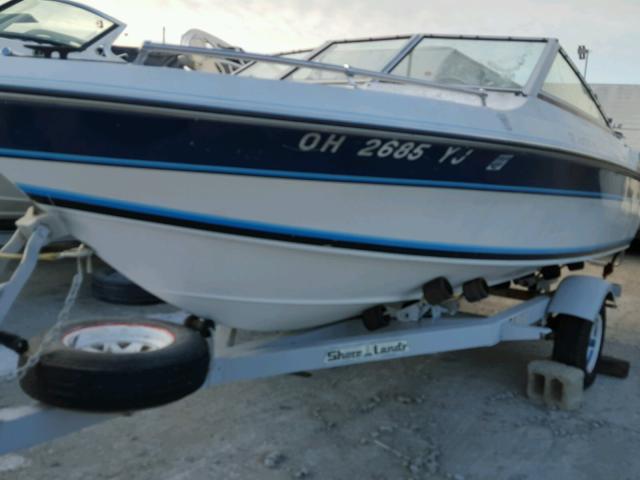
(611, 28)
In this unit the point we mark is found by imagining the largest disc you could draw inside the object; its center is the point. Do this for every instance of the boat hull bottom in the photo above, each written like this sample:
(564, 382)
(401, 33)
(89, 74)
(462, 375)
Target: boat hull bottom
(264, 285)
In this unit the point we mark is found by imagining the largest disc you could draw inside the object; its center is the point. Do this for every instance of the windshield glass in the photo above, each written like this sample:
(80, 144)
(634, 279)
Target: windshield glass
(51, 22)
(565, 84)
(369, 55)
(473, 62)
(272, 70)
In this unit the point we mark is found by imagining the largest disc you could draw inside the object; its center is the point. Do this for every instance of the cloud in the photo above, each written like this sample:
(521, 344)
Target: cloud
(608, 28)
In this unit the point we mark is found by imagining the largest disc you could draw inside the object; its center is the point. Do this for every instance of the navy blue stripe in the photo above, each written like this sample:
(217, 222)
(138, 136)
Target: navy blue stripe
(299, 235)
(90, 134)
(168, 103)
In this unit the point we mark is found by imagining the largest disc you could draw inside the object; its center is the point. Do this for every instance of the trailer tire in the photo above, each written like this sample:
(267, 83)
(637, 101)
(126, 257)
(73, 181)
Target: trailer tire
(170, 362)
(579, 343)
(111, 286)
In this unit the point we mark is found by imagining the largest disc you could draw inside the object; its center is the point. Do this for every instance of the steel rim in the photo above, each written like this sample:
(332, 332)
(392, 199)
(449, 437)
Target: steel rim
(594, 345)
(119, 339)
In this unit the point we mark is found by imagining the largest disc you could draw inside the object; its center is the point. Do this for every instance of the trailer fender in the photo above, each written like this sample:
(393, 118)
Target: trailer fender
(582, 296)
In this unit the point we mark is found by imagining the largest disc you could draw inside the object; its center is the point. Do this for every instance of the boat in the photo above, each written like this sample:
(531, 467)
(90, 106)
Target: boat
(66, 29)
(286, 198)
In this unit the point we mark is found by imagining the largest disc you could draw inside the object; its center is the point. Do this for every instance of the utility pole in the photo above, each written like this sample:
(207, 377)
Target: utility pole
(583, 54)
(164, 34)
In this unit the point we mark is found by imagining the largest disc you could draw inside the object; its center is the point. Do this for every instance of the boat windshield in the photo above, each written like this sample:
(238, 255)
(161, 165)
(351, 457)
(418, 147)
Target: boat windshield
(52, 22)
(485, 63)
(468, 62)
(369, 55)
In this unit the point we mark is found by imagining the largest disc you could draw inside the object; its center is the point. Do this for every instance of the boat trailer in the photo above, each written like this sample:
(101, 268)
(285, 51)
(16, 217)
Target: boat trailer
(232, 359)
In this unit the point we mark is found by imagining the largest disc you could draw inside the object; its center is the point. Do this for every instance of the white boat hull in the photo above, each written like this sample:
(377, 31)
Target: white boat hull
(280, 206)
(262, 284)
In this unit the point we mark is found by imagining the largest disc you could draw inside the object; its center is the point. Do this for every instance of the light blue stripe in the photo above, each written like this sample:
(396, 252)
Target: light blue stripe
(28, 154)
(302, 232)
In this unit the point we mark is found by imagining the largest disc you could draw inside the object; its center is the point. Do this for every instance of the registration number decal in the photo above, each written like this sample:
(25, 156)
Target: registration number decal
(397, 150)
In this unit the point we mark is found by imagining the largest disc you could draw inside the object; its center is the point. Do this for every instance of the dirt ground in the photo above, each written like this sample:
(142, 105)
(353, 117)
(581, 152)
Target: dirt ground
(456, 416)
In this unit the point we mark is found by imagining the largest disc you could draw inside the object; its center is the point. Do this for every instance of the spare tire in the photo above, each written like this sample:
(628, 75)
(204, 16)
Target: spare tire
(111, 286)
(118, 365)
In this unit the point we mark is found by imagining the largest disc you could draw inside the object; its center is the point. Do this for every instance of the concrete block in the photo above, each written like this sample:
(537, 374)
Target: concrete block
(555, 384)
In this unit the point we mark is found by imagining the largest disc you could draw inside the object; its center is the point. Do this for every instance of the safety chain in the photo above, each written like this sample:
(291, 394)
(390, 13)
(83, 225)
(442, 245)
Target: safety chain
(62, 320)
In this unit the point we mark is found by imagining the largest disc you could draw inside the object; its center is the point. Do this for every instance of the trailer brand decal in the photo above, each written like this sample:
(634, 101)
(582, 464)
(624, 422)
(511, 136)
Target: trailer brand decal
(360, 352)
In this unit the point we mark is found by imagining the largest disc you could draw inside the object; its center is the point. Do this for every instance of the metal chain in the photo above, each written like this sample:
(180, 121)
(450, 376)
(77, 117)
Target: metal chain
(55, 330)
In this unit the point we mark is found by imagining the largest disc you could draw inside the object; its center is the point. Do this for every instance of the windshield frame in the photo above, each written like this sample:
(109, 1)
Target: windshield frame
(115, 24)
(416, 39)
(533, 87)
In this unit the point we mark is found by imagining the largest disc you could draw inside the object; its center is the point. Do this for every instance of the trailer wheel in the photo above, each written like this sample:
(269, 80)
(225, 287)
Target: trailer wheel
(113, 366)
(579, 343)
(111, 286)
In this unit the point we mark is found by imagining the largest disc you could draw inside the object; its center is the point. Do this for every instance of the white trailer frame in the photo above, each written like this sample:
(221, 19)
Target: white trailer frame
(340, 344)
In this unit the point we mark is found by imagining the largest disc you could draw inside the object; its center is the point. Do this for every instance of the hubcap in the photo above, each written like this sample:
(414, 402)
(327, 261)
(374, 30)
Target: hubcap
(595, 343)
(119, 338)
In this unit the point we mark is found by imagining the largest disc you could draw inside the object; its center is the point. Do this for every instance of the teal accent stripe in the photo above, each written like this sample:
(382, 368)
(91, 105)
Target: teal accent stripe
(295, 232)
(132, 163)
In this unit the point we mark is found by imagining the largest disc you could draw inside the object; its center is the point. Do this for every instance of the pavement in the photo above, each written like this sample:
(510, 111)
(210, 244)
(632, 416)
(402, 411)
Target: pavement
(461, 415)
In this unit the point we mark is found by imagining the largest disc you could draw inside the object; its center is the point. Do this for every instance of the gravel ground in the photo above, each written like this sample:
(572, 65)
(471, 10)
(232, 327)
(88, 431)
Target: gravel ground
(460, 415)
